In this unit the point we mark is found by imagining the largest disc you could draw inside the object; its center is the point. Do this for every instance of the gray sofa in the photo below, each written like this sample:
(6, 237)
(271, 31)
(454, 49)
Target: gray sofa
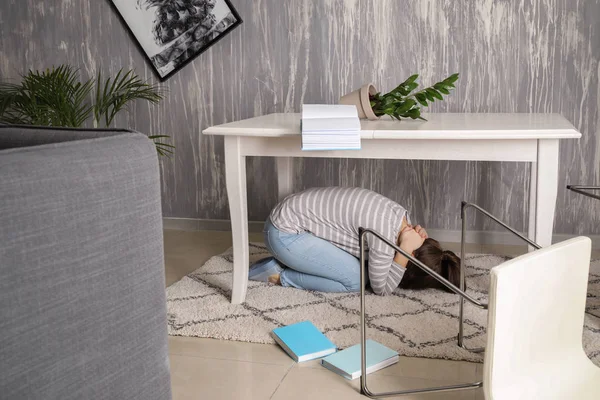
(82, 287)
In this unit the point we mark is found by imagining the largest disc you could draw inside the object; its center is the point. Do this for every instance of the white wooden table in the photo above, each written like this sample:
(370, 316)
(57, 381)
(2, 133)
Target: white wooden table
(484, 137)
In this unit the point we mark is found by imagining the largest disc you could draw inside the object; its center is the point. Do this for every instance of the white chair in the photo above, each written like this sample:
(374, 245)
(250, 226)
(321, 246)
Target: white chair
(535, 325)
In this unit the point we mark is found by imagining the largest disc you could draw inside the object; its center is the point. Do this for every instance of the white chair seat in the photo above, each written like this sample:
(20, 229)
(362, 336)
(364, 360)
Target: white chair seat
(535, 327)
(577, 380)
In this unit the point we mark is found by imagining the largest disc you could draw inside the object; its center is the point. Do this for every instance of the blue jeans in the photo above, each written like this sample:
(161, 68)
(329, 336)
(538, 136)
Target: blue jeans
(312, 263)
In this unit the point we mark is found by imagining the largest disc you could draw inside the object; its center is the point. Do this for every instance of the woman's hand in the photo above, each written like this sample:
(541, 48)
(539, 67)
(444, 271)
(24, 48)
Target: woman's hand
(410, 239)
(421, 231)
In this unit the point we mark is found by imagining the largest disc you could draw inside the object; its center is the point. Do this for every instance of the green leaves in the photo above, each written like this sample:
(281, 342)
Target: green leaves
(405, 106)
(406, 87)
(433, 93)
(117, 93)
(421, 98)
(400, 103)
(436, 92)
(52, 98)
(56, 97)
(163, 149)
(440, 88)
(451, 79)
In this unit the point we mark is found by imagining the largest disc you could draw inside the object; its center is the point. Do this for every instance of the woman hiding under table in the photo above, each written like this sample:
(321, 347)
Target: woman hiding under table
(314, 242)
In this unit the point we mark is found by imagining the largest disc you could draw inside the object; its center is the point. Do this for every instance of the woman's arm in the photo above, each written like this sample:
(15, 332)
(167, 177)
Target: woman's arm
(386, 266)
(384, 273)
(399, 258)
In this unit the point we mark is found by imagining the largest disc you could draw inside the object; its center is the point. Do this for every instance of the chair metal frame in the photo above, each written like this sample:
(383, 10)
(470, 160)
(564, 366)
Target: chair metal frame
(461, 291)
(581, 189)
(463, 208)
(363, 327)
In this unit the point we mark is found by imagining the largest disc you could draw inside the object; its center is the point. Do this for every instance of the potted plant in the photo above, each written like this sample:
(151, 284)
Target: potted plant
(400, 102)
(57, 97)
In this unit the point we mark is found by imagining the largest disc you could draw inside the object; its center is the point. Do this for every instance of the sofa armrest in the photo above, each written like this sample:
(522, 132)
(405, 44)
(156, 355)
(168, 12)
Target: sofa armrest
(82, 287)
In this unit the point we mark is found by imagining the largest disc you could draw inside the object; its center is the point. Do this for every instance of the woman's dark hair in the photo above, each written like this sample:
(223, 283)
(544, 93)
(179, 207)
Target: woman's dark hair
(444, 262)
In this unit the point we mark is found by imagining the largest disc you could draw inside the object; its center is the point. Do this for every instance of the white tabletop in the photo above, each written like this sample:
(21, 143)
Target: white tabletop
(437, 126)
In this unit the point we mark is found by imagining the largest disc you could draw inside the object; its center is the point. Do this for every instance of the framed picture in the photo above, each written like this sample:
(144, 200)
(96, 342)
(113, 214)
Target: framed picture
(173, 32)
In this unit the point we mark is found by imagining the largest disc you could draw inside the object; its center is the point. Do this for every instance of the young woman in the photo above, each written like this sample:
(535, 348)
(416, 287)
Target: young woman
(313, 237)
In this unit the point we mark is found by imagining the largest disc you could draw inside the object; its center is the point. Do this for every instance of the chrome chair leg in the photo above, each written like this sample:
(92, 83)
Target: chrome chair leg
(581, 189)
(461, 312)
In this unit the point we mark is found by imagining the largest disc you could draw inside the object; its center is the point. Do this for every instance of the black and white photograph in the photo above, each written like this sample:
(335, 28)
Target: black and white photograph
(173, 32)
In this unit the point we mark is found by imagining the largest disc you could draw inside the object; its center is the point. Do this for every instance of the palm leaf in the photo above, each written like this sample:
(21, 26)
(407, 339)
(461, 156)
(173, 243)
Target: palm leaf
(57, 97)
(53, 97)
(119, 92)
(163, 149)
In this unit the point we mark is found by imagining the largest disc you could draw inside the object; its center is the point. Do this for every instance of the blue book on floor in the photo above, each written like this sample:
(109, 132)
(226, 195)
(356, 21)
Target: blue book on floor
(303, 341)
(347, 362)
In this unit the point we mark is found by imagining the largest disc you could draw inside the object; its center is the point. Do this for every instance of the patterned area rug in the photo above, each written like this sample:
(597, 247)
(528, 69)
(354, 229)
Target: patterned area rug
(416, 323)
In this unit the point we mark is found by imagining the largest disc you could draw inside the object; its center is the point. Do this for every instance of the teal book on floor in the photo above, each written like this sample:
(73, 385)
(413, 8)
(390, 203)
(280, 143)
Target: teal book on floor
(303, 341)
(347, 362)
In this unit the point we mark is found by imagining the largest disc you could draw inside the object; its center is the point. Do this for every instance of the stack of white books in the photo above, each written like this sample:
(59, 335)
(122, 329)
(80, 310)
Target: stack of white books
(330, 127)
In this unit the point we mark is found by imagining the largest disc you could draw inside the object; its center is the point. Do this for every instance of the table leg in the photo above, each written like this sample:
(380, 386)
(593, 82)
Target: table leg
(285, 176)
(235, 175)
(532, 203)
(547, 190)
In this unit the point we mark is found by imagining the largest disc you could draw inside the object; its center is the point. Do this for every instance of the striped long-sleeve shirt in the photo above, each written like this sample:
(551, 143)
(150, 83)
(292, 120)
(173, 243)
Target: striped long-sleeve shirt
(336, 213)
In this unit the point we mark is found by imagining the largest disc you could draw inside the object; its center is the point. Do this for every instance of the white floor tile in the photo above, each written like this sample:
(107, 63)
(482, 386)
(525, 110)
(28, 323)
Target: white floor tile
(322, 384)
(196, 378)
(229, 350)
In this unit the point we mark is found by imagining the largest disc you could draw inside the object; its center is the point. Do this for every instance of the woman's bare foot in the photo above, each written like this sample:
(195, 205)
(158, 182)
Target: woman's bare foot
(275, 279)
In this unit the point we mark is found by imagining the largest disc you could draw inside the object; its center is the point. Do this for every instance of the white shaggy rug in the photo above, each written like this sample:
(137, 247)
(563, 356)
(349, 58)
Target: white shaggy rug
(416, 323)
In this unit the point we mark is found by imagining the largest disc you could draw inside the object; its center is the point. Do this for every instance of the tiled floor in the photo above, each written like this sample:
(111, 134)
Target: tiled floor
(216, 369)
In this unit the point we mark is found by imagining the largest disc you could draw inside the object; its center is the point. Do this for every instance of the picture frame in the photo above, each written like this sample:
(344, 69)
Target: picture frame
(172, 33)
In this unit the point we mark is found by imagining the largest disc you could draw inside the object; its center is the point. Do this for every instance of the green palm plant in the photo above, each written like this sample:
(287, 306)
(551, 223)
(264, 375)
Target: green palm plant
(57, 97)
